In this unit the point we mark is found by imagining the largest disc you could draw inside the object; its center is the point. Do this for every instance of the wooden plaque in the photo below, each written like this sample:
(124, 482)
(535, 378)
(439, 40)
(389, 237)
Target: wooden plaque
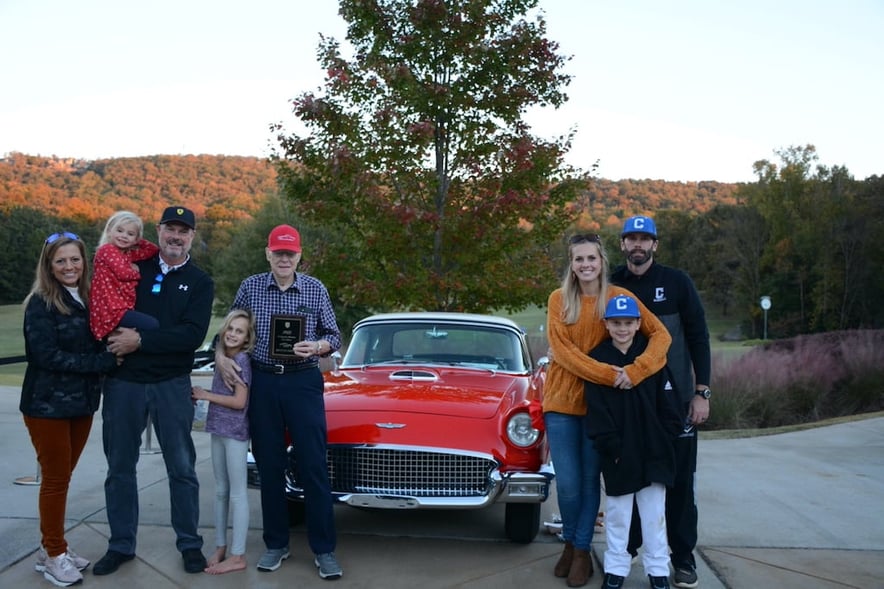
(285, 332)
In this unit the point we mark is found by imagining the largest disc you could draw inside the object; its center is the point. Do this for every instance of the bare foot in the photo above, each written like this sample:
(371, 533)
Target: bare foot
(228, 565)
(216, 557)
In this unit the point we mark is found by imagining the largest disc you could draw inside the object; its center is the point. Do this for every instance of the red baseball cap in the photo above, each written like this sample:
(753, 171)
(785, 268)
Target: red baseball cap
(284, 238)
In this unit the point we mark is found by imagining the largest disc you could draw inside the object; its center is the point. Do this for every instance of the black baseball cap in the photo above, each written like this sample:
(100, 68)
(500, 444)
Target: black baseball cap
(179, 215)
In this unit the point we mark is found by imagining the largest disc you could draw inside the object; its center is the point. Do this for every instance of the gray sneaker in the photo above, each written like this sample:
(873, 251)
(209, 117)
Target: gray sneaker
(60, 571)
(78, 561)
(328, 566)
(685, 576)
(272, 559)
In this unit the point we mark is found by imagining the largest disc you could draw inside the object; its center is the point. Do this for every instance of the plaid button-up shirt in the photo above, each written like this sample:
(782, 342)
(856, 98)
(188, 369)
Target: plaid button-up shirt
(306, 296)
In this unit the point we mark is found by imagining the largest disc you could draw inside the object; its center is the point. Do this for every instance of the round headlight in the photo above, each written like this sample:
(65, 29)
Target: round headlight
(519, 430)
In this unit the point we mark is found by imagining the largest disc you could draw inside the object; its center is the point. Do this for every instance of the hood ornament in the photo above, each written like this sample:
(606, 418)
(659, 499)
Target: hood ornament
(390, 425)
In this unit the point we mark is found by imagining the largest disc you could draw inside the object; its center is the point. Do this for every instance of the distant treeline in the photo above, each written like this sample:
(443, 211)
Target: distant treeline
(224, 189)
(220, 189)
(39, 195)
(808, 237)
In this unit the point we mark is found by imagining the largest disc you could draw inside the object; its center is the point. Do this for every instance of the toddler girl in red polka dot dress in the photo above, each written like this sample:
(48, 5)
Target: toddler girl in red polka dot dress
(115, 276)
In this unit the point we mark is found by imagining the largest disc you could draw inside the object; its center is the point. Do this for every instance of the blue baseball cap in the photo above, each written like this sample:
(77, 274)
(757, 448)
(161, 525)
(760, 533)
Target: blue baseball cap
(622, 306)
(639, 224)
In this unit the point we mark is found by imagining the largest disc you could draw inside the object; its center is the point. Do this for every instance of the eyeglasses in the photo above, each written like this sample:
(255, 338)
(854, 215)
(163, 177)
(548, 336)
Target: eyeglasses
(56, 236)
(585, 238)
(158, 283)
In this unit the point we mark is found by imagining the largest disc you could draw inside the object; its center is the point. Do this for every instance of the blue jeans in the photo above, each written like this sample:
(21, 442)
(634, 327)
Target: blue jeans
(124, 412)
(578, 482)
(293, 402)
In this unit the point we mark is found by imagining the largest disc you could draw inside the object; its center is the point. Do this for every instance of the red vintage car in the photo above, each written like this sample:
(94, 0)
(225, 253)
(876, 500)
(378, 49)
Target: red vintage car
(431, 411)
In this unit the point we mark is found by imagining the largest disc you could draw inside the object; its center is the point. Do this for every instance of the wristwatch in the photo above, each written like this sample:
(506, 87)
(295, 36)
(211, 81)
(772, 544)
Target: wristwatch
(705, 393)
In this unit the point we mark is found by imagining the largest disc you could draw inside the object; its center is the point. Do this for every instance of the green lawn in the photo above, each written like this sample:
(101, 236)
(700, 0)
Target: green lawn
(12, 342)
(531, 319)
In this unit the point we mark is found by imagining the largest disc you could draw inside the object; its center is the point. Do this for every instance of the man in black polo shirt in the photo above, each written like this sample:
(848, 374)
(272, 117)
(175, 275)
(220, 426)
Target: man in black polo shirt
(154, 379)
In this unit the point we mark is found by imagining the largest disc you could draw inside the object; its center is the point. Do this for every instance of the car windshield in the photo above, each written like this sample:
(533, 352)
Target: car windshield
(474, 346)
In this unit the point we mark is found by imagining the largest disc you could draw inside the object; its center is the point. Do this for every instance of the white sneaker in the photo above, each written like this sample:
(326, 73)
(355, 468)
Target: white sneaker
(79, 562)
(60, 571)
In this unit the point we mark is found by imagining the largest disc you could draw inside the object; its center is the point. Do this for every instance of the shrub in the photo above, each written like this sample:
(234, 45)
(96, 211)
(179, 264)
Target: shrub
(786, 382)
(802, 379)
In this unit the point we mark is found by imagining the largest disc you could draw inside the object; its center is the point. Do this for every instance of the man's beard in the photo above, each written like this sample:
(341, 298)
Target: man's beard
(638, 257)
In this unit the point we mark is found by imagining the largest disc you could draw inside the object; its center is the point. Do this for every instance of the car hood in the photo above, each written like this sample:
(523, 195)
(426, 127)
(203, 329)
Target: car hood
(452, 392)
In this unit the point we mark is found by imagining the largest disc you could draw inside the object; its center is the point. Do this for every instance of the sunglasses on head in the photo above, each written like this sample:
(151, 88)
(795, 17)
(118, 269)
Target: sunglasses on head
(56, 236)
(158, 283)
(585, 238)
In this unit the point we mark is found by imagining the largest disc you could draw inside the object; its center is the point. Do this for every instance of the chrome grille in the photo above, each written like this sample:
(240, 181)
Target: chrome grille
(412, 473)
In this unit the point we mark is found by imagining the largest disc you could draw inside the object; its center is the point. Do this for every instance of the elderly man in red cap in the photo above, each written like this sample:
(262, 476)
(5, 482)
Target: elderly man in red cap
(295, 326)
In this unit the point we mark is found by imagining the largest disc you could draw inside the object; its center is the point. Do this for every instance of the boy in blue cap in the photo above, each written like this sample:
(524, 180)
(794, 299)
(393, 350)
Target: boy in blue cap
(633, 431)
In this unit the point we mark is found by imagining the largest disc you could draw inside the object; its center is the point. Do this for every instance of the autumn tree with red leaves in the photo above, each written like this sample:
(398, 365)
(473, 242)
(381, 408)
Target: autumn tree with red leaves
(417, 167)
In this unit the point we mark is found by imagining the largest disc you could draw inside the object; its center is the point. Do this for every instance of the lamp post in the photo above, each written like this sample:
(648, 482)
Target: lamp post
(765, 305)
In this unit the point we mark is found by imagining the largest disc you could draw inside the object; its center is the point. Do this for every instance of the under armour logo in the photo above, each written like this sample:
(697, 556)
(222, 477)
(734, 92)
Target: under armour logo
(688, 429)
(183, 287)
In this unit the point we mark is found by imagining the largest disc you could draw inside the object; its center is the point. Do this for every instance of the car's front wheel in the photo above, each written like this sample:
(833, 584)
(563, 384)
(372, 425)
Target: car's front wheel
(522, 521)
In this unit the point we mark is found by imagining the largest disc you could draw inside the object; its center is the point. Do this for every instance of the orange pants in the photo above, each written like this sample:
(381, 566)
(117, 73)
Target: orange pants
(59, 443)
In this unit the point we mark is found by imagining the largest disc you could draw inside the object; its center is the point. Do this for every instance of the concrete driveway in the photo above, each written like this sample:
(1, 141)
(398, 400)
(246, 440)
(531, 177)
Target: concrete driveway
(800, 510)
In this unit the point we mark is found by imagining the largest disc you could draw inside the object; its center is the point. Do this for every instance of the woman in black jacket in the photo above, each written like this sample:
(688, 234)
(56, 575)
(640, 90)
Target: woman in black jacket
(61, 390)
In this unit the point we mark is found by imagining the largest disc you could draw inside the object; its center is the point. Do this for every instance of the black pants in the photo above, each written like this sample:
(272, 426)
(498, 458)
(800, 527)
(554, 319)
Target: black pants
(681, 506)
(292, 402)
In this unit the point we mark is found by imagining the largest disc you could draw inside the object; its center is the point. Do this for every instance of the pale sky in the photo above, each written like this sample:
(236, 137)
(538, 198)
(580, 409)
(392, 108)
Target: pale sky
(678, 90)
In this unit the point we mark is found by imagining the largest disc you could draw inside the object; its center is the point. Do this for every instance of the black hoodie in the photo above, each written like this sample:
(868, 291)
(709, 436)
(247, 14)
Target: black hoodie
(633, 430)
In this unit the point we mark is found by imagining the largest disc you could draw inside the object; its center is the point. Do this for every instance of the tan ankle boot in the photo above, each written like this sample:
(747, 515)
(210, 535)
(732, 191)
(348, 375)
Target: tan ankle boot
(563, 567)
(581, 568)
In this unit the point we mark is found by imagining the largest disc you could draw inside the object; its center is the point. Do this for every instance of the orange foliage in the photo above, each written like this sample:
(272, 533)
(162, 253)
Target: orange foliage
(219, 187)
(225, 190)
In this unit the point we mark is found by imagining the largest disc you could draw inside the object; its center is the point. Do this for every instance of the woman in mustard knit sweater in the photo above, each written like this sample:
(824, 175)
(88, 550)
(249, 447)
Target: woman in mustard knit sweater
(575, 325)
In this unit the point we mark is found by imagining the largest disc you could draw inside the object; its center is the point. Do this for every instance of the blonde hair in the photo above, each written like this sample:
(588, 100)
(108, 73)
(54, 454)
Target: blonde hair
(45, 284)
(571, 293)
(121, 218)
(250, 333)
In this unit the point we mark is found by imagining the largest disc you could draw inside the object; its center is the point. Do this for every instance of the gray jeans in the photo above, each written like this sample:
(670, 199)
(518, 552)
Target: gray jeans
(231, 491)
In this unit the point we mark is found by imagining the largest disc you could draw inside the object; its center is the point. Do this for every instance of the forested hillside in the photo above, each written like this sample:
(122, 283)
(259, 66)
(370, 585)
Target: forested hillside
(40, 195)
(606, 203)
(222, 189)
(805, 236)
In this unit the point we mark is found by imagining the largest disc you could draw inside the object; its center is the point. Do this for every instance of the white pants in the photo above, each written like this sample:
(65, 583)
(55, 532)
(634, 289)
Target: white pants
(231, 491)
(651, 503)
